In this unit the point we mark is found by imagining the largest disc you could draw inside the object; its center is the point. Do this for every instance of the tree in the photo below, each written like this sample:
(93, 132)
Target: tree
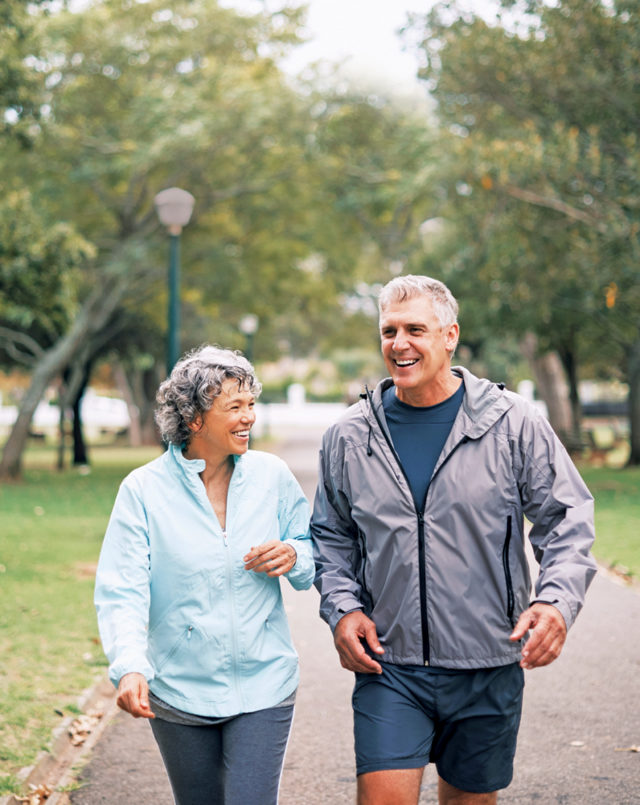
(21, 85)
(140, 97)
(542, 112)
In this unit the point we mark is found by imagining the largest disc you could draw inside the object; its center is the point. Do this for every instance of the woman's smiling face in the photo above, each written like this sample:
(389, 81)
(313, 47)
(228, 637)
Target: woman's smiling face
(224, 428)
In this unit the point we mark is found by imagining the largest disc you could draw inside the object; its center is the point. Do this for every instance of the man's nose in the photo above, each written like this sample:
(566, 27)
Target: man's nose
(400, 341)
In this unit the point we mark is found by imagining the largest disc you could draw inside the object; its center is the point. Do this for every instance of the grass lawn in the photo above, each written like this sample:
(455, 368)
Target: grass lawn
(51, 528)
(617, 497)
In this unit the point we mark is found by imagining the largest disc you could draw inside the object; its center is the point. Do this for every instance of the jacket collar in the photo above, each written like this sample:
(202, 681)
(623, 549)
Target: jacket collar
(191, 467)
(483, 403)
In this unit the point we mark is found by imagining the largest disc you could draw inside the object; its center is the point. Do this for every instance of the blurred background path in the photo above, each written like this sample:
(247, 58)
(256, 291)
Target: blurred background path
(581, 716)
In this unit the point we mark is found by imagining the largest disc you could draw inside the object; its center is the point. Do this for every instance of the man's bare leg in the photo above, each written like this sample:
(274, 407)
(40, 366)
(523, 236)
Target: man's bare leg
(390, 787)
(448, 795)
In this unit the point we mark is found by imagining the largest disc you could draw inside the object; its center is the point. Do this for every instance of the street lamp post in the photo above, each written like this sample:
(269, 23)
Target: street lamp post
(249, 326)
(174, 207)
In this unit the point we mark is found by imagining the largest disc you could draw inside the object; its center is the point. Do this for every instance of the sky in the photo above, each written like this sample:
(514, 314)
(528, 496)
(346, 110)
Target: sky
(361, 34)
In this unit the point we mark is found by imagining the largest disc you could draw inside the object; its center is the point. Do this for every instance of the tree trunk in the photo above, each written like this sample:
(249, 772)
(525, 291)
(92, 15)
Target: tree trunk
(62, 412)
(633, 375)
(149, 381)
(80, 453)
(552, 387)
(92, 317)
(138, 386)
(45, 371)
(569, 361)
(122, 381)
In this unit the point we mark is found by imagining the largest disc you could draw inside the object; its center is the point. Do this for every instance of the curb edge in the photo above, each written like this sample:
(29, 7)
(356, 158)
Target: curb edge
(53, 767)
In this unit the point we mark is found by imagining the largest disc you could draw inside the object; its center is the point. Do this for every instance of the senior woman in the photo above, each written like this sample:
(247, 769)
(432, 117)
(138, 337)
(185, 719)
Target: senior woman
(188, 588)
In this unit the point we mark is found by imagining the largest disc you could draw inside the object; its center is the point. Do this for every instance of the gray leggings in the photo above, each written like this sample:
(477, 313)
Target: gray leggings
(236, 762)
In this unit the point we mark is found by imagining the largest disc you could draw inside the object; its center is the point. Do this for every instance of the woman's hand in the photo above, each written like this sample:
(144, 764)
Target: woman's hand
(133, 695)
(273, 558)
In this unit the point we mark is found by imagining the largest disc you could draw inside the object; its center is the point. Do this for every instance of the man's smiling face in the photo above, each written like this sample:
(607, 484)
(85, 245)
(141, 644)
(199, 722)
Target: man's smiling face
(417, 351)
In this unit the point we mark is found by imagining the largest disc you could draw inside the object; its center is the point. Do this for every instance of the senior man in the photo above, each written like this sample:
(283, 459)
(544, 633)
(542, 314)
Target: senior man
(420, 558)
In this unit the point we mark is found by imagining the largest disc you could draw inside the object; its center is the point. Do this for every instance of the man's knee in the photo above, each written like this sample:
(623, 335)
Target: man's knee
(390, 787)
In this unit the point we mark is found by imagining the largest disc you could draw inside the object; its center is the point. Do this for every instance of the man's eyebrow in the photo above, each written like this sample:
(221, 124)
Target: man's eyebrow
(406, 324)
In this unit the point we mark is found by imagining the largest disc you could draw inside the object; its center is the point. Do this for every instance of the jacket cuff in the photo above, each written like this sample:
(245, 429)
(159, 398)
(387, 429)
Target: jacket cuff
(302, 573)
(130, 665)
(339, 613)
(563, 608)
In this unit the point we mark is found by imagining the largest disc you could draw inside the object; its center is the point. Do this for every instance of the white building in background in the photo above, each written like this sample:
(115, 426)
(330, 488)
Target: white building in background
(102, 415)
(99, 414)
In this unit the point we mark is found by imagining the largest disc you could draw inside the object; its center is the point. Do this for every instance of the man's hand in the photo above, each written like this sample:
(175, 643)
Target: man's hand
(273, 558)
(133, 696)
(549, 631)
(352, 628)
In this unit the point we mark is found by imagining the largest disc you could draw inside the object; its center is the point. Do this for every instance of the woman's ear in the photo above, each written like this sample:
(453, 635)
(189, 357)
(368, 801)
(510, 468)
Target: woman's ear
(195, 425)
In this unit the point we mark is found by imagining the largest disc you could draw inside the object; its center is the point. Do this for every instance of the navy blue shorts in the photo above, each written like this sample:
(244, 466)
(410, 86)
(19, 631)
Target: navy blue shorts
(466, 722)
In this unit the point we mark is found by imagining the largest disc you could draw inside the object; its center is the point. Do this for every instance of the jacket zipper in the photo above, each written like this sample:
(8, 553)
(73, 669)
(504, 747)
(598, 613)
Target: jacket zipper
(232, 612)
(422, 562)
(507, 572)
(421, 550)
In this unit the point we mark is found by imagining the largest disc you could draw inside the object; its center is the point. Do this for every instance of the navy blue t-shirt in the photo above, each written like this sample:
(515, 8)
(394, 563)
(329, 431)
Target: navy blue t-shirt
(418, 435)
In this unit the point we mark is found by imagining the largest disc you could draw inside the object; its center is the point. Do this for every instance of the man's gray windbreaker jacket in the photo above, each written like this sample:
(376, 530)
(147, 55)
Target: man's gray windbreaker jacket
(445, 585)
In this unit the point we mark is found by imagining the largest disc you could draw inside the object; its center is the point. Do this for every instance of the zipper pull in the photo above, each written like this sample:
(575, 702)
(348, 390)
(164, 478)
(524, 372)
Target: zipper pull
(189, 630)
(224, 536)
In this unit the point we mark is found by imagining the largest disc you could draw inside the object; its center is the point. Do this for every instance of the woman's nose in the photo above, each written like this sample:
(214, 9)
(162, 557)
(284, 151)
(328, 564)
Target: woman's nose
(249, 415)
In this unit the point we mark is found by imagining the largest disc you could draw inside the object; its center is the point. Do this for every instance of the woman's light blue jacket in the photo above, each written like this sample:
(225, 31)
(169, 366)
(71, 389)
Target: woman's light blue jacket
(174, 601)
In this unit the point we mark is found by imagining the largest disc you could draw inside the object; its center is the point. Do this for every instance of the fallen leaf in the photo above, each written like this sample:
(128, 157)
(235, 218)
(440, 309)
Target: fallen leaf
(83, 726)
(38, 795)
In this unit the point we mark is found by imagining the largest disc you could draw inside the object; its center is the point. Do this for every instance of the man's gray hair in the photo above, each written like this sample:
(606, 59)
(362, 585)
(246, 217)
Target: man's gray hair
(410, 286)
(195, 381)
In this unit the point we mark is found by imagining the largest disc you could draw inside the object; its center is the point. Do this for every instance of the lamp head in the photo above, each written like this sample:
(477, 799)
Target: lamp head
(174, 207)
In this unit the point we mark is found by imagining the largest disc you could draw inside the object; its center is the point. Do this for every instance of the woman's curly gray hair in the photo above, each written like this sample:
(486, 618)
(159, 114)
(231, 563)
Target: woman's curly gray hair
(195, 381)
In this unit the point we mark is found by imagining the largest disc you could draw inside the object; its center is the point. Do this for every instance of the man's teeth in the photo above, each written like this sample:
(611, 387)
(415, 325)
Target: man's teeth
(407, 363)
(242, 433)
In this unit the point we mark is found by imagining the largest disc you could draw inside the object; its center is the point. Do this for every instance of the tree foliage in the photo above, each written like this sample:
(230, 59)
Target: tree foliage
(39, 268)
(20, 85)
(542, 112)
(299, 192)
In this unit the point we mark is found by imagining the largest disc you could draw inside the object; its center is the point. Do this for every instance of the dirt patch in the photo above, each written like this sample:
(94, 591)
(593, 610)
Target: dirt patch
(85, 570)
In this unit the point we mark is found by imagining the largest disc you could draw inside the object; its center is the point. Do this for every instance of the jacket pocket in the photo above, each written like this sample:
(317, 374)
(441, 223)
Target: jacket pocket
(185, 634)
(365, 595)
(507, 572)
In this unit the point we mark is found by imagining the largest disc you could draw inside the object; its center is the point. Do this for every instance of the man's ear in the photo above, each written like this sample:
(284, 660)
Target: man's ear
(451, 338)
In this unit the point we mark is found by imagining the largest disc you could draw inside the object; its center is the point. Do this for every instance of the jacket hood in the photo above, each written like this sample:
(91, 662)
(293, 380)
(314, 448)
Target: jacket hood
(483, 404)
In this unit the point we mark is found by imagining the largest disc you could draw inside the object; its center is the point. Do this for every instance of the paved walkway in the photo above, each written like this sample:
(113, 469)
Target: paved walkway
(581, 714)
